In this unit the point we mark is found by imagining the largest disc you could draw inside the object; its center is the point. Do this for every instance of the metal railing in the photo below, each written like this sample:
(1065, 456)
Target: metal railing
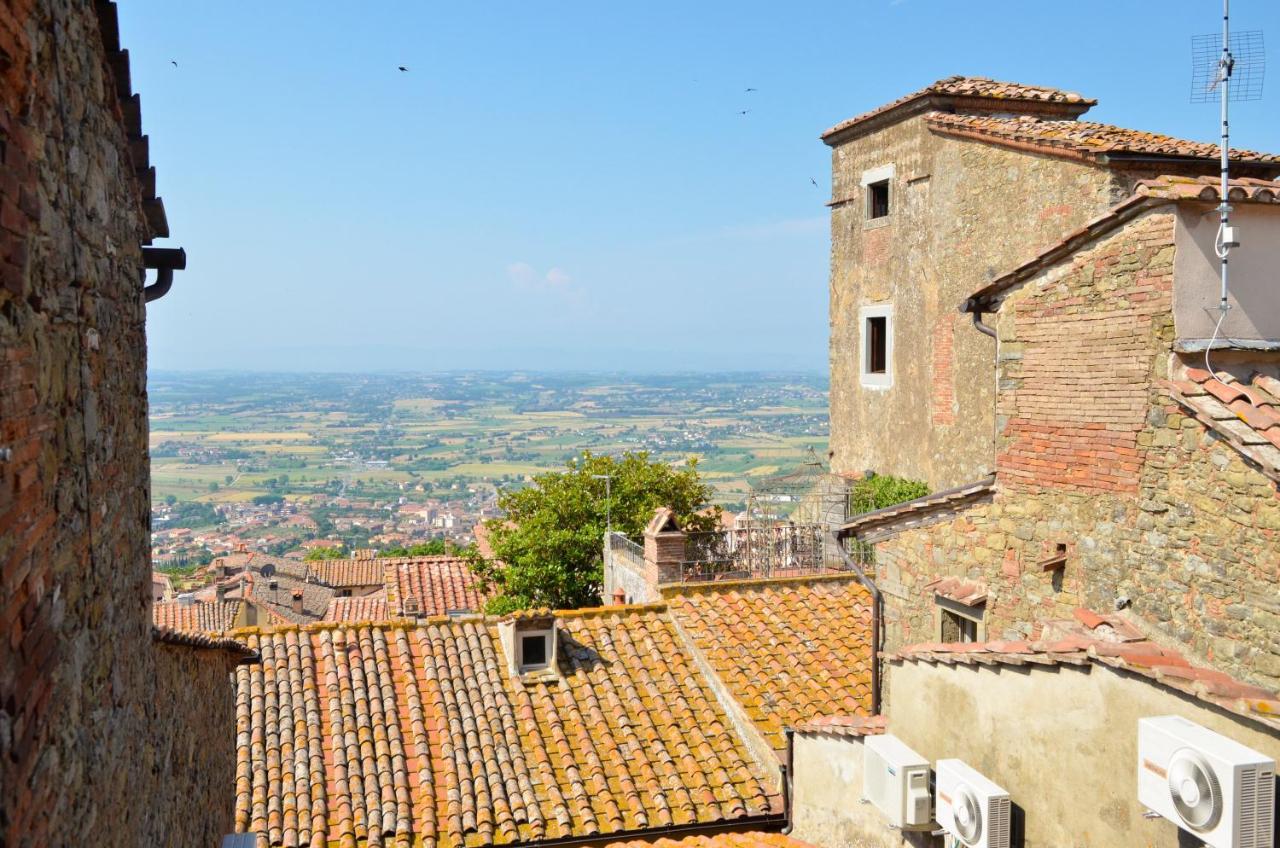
(622, 549)
(773, 550)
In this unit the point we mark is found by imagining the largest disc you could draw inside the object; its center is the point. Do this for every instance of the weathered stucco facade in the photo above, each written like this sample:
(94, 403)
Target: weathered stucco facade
(1103, 478)
(86, 732)
(1011, 723)
(961, 211)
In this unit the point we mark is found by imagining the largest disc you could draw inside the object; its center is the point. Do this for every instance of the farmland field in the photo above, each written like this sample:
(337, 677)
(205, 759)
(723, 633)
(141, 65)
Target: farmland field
(220, 438)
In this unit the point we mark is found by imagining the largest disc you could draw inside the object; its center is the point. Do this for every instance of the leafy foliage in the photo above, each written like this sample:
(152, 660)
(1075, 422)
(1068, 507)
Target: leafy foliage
(549, 550)
(434, 547)
(324, 553)
(880, 491)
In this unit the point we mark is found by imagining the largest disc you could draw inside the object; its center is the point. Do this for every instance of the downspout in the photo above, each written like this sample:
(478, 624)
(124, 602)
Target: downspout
(975, 309)
(877, 605)
(788, 780)
(165, 260)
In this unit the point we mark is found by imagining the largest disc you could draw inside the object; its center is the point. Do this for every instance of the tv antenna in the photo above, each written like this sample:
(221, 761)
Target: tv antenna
(1216, 63)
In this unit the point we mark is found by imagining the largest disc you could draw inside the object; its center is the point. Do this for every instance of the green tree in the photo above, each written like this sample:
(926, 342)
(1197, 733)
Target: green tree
(230, 478)
(170, 500)
(324, 553)
(432, 547)
(881, 490)
(547, 551)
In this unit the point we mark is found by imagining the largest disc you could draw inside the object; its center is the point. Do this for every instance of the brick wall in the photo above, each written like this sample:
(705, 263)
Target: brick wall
(1093, 455)
(1077, 360)
(79, 690)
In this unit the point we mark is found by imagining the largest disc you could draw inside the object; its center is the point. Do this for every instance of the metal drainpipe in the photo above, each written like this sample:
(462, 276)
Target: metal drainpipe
(165, 260)
(877, 605)
(973, 308)
(788, 781)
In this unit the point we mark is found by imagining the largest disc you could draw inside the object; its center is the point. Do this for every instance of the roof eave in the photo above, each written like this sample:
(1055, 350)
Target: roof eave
(927, 101)
(987, 298)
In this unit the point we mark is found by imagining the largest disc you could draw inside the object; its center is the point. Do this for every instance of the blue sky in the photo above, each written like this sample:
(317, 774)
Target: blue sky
(561, 185)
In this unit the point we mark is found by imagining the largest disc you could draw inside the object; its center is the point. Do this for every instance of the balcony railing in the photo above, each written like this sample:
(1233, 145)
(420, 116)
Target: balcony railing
(774, 550)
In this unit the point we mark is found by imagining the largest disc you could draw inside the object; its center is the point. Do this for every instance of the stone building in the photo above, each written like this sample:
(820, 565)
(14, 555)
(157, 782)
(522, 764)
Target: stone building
(109, 729)
(934, 194)
(1126, 476)
(1122, 561)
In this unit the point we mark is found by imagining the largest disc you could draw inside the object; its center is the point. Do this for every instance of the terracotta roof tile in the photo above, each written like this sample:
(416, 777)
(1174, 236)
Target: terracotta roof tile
(197, 617)
(918, 508)
(731, 839)
(959, 590)
(1085, 139)
(438, 584)
(357, 609)
(1004, 94)
(202, 641)
(843, 725)
(347, 573)
(1246, 415)
(1209, 189)
(362, 735)
(787, 650)
(1071, 643)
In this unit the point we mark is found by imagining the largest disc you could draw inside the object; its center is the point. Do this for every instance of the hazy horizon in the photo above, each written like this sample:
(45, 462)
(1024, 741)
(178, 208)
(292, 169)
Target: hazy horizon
(578, 186)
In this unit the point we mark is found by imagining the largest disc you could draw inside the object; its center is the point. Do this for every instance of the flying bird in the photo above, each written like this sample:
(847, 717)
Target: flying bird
(815, 182)
(744, 111)
(749, 90)
(403, 68)
(173, 62)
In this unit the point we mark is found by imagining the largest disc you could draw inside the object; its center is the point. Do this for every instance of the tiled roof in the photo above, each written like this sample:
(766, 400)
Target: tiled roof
(347, 573)
(1239, 189)
(1082, 139)
(959, 590)
(278, 602)
(1110, 641)
(730, 839)
(787, 650)
(197, 617)
(202, 641)
(441, 584)
(356, 609)
(356, 735)
(919, 508)
(1246, 415)
(1005, 94)
(843, 725)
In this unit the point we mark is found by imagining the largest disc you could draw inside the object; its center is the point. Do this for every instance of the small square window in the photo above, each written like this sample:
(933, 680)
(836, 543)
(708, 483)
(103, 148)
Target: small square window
(876, 357)
(878, 199)
(958, 628)
(534, 652)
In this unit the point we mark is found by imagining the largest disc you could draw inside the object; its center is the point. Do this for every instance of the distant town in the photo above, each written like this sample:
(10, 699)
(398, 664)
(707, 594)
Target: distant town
(288, 464)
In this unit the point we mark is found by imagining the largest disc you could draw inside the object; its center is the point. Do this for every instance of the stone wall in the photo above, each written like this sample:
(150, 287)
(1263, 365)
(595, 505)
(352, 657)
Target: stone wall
(1061, 740)
(961, 212)
(1154, 512)
(78, 676)
(191, 736)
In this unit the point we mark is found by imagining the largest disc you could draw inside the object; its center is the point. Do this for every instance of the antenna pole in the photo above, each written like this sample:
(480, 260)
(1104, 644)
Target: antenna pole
(1224, 209)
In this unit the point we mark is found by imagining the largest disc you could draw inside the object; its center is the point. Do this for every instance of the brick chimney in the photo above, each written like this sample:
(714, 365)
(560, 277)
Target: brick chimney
(619, 597)
(220, 592)
(663, 548)
(297, 601)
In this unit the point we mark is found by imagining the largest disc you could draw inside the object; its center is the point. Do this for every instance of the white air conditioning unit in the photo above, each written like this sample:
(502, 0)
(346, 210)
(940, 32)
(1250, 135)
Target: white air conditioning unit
(1205, 783)
(896, 779)
(971, 808)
